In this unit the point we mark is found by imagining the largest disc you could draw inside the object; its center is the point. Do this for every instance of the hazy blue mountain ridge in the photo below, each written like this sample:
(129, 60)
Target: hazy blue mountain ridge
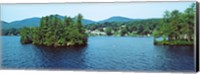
(35, 21)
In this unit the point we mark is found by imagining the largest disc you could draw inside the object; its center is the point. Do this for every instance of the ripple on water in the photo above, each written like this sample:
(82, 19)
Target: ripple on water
(101, 53)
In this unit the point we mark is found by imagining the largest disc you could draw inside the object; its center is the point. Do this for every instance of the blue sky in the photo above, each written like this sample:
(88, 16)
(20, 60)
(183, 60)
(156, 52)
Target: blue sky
(92, 11)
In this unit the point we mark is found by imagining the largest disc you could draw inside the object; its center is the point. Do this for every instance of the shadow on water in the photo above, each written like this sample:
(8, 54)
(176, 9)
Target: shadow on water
(171, 58)
(71, 58)
(181, 50)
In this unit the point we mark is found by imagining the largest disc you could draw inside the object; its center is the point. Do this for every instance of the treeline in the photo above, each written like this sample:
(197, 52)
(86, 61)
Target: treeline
(177, 27)
(131, 28)
(56, 32)
(10, 32)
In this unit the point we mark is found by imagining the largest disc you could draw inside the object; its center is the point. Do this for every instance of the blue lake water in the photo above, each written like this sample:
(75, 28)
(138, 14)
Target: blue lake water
(101, 53)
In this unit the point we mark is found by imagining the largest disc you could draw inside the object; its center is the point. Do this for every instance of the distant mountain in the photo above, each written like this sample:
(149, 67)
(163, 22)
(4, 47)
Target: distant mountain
(3, 22)
(32, 22)
(35, 21)
(117, 19)
(85, 21)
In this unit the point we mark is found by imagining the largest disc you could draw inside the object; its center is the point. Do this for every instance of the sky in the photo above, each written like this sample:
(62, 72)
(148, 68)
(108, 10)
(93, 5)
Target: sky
(92, 11)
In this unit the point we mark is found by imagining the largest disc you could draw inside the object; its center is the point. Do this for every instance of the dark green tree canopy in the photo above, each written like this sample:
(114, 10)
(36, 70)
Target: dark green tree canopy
(56, 32)
(177, 27)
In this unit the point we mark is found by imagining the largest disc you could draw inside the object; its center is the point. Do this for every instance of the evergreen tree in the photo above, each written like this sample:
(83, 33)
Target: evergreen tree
(177, 26)
(56, 32)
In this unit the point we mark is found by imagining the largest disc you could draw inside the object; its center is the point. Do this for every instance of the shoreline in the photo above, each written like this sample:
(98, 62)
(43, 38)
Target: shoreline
(174, 43)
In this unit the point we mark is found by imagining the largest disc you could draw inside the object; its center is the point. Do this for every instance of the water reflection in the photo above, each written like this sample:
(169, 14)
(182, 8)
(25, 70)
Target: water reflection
(101, 53)
(61, 58)
(170, 56)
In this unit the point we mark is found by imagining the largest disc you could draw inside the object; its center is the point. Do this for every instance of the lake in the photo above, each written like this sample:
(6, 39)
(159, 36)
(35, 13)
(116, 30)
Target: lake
(101, 54)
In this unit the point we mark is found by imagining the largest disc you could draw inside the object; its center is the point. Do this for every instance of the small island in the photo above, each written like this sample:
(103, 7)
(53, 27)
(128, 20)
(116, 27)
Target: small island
(56, 32)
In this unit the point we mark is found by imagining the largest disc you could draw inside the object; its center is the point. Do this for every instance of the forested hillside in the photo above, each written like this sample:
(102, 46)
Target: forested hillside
(13, 28)
(131, 28)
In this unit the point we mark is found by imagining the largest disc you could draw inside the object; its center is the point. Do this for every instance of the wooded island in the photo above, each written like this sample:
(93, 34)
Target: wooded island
(56, 32)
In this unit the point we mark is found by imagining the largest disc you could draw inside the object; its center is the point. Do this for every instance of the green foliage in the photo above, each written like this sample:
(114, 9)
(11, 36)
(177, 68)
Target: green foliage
(25, 35)
(56, 32)
(177, 26)
(131, 28)
(108, 31)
